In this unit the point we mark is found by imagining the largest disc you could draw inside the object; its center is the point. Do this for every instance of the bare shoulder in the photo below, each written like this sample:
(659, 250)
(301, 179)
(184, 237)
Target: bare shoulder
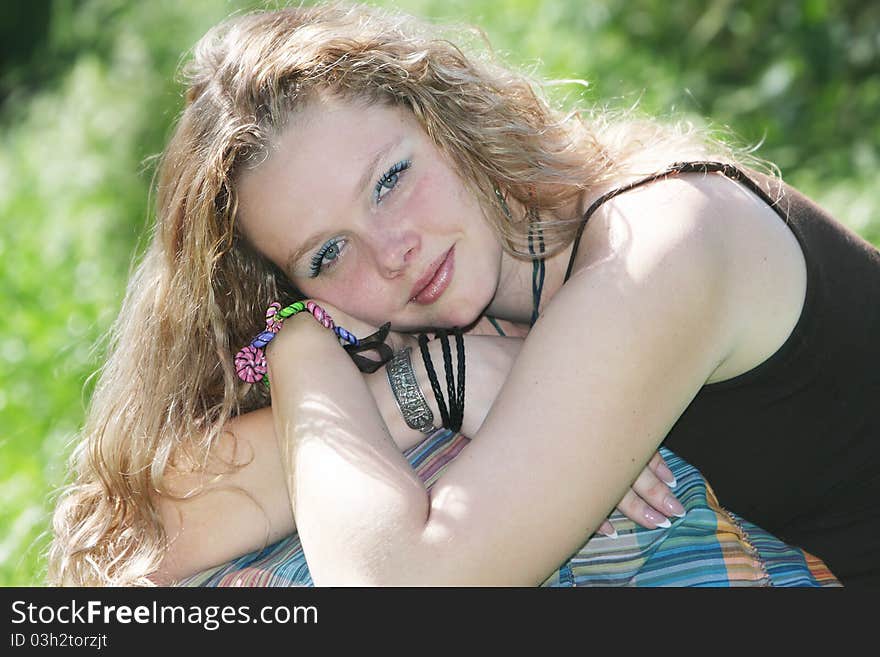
(707, 225)
(697, 210)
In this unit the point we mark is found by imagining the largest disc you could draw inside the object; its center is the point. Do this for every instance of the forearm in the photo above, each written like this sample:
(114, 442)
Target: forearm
(249, 506)
(224, 518)
(362, 514)
(356, 500)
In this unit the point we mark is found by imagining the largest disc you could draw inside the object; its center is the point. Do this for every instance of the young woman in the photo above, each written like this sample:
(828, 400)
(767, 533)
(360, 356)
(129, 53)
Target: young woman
(348, 157)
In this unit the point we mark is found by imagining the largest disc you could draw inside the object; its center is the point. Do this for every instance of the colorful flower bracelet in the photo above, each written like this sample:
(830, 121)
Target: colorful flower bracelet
(250, 361)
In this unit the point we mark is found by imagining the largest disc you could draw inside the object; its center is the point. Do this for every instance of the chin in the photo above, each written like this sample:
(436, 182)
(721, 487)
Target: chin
(463, 315)
(457, 317)
(450, 313)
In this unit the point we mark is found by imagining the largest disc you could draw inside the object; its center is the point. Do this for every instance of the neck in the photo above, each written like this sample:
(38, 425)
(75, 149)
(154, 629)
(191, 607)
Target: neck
(513, 299)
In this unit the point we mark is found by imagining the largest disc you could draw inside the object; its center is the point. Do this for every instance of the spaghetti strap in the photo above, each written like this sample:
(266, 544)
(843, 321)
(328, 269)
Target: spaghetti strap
(728, 170)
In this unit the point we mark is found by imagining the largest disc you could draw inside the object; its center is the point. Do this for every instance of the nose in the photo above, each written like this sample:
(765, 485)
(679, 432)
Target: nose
(395, 250)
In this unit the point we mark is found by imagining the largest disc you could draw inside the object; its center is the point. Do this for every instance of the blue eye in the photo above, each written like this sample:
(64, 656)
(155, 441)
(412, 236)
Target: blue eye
(325, 256)
(389, 179)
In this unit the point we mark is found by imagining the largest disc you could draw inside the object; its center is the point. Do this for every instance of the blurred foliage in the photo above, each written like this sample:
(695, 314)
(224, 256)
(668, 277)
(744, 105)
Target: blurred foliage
(88, 94)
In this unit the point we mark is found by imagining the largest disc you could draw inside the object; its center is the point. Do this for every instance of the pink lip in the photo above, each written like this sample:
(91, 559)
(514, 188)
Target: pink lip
(435, 281)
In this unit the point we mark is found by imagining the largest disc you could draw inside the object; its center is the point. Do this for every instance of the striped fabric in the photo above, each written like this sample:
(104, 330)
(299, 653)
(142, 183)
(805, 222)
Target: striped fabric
(709, 546)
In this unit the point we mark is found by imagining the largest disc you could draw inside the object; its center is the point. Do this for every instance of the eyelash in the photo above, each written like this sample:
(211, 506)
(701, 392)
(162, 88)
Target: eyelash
(317, 264)
(390, 176)
(388, 181)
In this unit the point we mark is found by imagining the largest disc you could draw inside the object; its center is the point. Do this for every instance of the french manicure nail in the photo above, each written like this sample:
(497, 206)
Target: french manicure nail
(607, 529)
(666, 475)
(657, 519)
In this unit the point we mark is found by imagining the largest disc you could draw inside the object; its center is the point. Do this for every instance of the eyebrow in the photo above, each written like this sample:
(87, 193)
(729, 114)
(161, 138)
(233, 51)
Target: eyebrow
(317, 239)
(310, 245)
(367, 176)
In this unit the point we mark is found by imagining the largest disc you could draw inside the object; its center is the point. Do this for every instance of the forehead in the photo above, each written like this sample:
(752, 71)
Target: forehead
(334, 121)
(322, 132)
(313, 170)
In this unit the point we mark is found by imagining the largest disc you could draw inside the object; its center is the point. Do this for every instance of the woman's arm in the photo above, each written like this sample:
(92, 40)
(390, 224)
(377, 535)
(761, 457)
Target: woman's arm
(648, 502)
(248, 507)
(244, 509)
(615, 359)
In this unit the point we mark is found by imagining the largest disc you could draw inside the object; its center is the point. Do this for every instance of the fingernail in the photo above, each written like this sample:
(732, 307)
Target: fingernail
(607, 529)
(673, 506)
(657, 519)
(666, 475)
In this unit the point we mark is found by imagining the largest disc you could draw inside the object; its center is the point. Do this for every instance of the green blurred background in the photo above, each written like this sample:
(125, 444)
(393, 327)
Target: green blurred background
(88, 94)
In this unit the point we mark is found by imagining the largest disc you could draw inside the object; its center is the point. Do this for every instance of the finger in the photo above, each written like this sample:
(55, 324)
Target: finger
(657, 494)
(639, 511)
(661, 469)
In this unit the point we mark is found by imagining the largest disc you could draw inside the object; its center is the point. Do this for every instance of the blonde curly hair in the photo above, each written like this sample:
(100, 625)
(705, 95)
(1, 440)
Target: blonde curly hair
(168, 386)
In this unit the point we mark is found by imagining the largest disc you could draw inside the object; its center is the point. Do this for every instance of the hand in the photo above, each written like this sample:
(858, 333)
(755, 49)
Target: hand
(650, 501)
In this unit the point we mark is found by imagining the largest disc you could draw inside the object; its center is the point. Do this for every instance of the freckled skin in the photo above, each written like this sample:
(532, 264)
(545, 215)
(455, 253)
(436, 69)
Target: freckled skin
(310, 185)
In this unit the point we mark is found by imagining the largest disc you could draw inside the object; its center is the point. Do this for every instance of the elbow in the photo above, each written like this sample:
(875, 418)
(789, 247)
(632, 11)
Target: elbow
(394, 551)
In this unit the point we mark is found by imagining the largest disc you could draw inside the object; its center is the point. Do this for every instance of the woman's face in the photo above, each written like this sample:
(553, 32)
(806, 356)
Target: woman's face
(362, 211)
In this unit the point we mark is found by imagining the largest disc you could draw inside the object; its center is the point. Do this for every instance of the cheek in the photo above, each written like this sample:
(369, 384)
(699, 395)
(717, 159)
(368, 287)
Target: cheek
(423, 196)
(360, 295)
(437, 199)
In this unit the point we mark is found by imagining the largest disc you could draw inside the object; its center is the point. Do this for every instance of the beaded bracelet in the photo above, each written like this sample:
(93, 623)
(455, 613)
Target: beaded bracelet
(250, 361)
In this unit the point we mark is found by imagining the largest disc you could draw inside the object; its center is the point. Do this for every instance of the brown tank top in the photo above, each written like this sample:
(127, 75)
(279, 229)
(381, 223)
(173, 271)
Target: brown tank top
(793, 445)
